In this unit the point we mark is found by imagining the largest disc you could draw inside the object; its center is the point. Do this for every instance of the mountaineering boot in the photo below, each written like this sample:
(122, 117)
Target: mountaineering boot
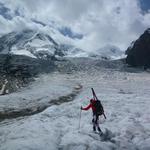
(94, 128)
(99, 130)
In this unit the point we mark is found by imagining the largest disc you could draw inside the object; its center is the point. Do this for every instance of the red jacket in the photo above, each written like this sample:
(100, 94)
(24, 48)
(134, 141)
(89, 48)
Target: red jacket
(91, 105)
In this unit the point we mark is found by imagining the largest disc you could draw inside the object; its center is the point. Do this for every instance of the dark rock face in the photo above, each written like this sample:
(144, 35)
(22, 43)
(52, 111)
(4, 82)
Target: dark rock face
(139, 53)
(17, 71)
(19, 65)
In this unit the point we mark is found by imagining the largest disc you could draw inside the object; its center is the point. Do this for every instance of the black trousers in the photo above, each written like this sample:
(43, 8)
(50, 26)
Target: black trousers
(95, 122)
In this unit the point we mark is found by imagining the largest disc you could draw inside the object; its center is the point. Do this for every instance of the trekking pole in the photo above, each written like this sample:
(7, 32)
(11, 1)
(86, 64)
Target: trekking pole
(80, 119)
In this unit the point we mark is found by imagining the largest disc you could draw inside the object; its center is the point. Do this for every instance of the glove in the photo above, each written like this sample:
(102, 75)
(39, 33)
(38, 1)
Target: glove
(81, 108)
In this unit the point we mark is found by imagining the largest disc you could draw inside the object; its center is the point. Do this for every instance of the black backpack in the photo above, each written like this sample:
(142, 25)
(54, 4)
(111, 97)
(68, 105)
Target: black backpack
(99, 108)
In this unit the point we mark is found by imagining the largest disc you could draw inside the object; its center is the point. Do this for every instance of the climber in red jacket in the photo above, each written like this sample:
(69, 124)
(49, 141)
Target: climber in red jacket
(96, 114)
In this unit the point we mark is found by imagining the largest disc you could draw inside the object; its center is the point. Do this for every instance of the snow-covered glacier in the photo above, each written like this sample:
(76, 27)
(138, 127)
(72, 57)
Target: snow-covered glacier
(124, 95)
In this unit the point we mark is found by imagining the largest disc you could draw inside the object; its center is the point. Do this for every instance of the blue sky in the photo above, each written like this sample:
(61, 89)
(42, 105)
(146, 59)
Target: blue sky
(145, 5)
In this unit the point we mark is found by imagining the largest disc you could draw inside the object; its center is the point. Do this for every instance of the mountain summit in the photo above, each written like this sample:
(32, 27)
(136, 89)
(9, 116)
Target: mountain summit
(30, 43)
(38, 44)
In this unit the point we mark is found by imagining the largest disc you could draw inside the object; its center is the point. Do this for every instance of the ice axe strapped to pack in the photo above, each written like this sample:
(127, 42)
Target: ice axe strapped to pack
(95, 97)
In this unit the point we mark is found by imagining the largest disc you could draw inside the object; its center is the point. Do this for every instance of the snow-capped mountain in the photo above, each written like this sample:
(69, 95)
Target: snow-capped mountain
(28, 42)
(38, 44)
(72, 51)
(108, 52)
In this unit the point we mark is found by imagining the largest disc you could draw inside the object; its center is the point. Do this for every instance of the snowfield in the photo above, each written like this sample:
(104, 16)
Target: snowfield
(125, 97)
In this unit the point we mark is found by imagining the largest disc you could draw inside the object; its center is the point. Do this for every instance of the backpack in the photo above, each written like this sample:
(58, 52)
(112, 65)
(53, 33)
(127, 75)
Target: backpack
(99, 108)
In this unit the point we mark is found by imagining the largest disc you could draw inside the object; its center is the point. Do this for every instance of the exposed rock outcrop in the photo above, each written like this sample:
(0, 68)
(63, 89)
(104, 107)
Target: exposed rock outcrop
(138, 54)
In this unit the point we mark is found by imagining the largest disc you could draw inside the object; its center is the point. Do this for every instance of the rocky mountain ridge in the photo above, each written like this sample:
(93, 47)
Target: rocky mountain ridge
(138, 54)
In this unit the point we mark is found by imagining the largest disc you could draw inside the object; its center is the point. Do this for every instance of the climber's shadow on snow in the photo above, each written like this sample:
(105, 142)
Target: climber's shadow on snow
(107, 135)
